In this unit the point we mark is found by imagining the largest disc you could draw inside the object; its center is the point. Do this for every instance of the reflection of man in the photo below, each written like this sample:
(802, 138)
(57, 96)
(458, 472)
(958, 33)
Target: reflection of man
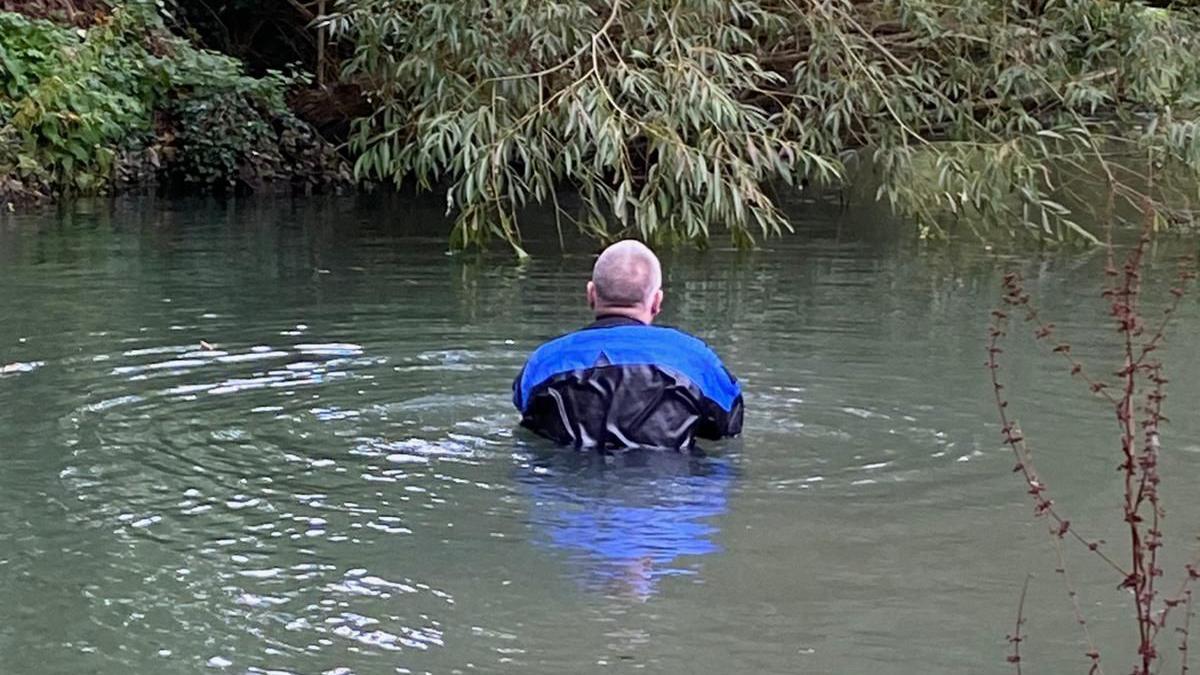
(628, 525)
(620, 382)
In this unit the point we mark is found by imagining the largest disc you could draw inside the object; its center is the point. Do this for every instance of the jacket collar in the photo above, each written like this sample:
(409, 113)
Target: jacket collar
(612, 321)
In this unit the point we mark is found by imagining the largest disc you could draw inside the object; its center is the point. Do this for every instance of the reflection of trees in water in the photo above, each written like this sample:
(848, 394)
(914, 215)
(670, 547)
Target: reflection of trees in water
(626, 521)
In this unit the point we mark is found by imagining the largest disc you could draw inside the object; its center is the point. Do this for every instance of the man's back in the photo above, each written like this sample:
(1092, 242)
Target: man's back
(620, 383)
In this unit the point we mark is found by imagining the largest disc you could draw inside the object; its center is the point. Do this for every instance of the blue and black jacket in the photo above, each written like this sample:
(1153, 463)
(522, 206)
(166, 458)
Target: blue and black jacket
(622, 384)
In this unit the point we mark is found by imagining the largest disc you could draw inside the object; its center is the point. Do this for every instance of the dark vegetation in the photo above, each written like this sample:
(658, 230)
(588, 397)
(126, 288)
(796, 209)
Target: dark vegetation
(95, 100)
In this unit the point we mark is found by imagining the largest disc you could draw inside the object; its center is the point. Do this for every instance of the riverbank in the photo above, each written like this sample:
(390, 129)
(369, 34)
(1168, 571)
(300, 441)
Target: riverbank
(101, 103)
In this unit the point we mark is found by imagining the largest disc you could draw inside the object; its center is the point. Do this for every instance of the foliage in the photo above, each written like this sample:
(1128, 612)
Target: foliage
(28, 49)
(70, 123)
(673, 118)
(231, 128)
(81, 109)
(222, 118)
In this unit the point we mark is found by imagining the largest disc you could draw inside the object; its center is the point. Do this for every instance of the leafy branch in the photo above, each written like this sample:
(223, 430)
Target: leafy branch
(671, 119)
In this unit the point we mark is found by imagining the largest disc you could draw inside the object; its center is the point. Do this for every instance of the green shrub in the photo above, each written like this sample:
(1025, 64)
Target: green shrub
(85, 102)
(84, 109)
(222, 120)
(28, 49)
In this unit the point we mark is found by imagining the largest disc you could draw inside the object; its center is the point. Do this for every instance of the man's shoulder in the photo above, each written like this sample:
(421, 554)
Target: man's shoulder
(683, 337)
(590, 336)
(660, 344)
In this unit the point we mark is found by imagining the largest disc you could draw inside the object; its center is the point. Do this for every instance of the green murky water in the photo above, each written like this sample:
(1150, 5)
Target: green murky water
(337, 487)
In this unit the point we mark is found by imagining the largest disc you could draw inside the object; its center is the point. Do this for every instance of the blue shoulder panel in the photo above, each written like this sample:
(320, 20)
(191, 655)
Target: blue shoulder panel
(668, 348)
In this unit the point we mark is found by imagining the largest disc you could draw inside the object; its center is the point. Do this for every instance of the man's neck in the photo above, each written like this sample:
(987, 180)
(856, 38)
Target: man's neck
(637, 314)
(613, 321)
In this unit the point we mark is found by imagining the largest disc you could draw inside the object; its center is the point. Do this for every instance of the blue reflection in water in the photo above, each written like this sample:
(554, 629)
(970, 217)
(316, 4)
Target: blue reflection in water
(627, 520)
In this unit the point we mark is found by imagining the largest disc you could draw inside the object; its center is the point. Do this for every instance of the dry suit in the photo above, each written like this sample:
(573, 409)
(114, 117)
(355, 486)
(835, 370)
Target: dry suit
(622, 384)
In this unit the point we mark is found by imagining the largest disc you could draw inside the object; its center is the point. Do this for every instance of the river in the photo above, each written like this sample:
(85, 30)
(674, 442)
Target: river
(275, 436)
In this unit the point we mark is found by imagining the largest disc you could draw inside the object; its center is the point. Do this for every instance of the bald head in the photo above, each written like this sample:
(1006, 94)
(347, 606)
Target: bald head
(627, 279)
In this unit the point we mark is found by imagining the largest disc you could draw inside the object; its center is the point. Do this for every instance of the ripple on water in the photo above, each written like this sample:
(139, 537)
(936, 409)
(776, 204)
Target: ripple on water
(267, 479)
(330, 349)
(260, 527)
(19, 367)
(843, 449)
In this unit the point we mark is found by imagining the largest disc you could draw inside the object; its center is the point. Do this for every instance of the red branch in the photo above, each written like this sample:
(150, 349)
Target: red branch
(1015, 296)
(1137, 399)
(1043, 505)
(1183, 595)
(1185, 634)
(1014, 439)
(1017, 638)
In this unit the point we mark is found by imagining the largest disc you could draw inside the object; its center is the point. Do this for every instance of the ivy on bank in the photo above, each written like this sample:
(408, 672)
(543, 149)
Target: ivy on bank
(123, 101)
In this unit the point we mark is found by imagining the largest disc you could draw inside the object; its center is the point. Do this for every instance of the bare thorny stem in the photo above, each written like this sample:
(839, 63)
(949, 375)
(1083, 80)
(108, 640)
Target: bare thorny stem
(1184, 593)
(1142, 544)
(1142, 511)
(1043, 505)
(1017, 638)
(1093, 654)
(1185, 635)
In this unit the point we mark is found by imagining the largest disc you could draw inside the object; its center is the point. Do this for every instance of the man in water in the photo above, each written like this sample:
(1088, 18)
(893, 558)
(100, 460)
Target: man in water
(621, 382)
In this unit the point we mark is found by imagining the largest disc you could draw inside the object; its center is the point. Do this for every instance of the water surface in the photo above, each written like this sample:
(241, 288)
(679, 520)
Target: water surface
(275, 436)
